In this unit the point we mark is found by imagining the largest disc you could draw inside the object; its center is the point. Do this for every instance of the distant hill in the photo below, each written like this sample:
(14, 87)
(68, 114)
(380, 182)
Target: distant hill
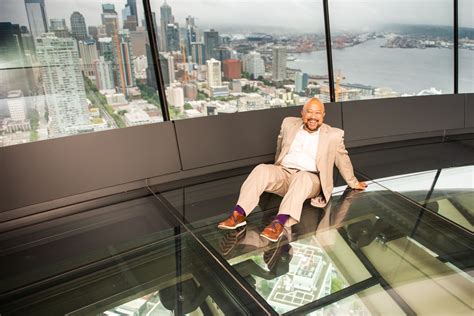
(429, 30)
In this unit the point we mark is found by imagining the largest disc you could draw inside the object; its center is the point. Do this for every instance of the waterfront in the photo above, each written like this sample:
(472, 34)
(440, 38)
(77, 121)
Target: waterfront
(404, 70)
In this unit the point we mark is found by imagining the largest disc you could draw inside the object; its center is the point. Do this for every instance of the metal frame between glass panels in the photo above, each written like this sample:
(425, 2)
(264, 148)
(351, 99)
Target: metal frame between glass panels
(327, 31)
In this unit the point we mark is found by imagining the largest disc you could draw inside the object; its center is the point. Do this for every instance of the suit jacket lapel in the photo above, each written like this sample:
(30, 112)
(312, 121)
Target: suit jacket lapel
(322, 145)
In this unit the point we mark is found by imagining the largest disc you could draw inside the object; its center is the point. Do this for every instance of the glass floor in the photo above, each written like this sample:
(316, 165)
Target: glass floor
(402, 247)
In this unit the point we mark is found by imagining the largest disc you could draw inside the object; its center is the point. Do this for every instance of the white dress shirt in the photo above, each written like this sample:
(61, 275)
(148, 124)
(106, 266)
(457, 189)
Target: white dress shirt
(303, 151)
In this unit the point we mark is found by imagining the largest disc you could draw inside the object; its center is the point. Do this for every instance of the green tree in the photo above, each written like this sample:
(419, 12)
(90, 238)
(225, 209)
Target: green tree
(188, 106)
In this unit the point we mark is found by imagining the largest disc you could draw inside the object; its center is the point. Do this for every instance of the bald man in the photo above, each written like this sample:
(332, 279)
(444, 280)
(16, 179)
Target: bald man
(307, 150)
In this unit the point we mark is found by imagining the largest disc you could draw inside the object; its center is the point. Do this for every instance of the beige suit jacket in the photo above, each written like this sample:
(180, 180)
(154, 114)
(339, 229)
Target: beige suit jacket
(331, 151)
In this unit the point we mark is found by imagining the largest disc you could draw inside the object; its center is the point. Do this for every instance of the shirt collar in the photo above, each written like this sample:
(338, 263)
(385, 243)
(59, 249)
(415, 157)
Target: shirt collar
(315, 133)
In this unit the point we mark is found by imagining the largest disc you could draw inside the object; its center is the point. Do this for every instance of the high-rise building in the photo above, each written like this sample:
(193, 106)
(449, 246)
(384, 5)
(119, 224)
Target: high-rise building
(63, 85)
(222, 53)
(214, 77)
(301, 81)
(109, 19)
(150, 71)
(124, 56)
(58, 26)
(175, 95)
(191, 37)
(130, 15)
(16, 75)
(130, 23)
(138, 39)
(16, 105)
(88, 53)
(166, 17)
(78, 26)
(254, 65)
(190, 21)
(211, 42)
(172, 37)
(106, 49)
(37, 18)
(198, 53)
(278, 63)
(93, 32)
(232, 69)
(167, 66)
(104, 75)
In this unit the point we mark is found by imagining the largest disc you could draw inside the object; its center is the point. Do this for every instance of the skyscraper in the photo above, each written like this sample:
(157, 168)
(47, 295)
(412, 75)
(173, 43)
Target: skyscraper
(130, 15)
(191, 37)
(172, 37)
(16, 75)
(93, 32)
(278, 63)
(150, 71)
(301, 81)
(78, 26)
(254, 65)
(106, 48)
(211, 42)
(104, 75)
(88, 53)
(214, 77)
(166, 17)
(16, 105)
(109, 19)
(57, 24)
(59, 28)
(126, 78)
(167, 67)
(37, 18)
(198, 53)
(63, 85)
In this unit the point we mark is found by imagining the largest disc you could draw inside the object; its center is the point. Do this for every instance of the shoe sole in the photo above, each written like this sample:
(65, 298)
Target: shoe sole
(232, 227)
(272, 240)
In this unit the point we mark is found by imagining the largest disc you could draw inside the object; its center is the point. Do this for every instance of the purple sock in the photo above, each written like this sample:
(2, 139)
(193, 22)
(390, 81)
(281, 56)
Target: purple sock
(240, 210)
(282, 218)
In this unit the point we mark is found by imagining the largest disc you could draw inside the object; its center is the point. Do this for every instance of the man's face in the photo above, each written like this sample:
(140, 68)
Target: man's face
(313, 115)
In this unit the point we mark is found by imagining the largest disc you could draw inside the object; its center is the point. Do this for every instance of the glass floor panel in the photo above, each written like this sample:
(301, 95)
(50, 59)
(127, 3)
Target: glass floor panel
(360, 240)
(46, 249)
(448, 192)
(165, 277)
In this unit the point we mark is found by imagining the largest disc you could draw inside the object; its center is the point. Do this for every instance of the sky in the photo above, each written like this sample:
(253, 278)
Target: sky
(301, 15)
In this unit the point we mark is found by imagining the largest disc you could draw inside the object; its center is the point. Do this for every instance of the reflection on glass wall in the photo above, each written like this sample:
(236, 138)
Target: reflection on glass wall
(71, 69)
(232, 56)
(392, 48)
(466, 46)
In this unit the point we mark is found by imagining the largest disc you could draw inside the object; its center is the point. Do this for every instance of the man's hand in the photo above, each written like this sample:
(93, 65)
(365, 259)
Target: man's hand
(360, 186)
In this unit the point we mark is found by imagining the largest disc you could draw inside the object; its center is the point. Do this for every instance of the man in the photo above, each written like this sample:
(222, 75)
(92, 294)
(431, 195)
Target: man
(307, 150)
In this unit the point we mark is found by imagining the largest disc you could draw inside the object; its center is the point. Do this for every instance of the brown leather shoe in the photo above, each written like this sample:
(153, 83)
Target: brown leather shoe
(234, 221)
(273, 231)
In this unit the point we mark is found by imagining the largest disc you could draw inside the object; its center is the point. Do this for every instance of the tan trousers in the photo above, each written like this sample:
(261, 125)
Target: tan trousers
(293, 185)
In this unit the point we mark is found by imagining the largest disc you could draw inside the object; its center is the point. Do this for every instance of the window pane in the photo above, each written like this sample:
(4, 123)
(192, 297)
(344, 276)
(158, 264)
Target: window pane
(392, 48)
(466, 46)
(71, 69)
(231, 56)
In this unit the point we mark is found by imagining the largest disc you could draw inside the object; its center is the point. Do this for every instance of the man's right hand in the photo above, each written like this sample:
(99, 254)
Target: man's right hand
(360, 186)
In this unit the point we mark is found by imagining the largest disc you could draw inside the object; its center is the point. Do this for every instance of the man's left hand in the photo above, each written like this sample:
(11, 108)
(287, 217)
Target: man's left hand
(360, 186)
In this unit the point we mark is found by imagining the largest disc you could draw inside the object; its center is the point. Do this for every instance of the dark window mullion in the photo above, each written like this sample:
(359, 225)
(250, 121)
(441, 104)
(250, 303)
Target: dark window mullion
(151, 27)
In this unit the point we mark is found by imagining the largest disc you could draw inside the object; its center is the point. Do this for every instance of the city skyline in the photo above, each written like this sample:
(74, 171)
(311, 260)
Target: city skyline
(366, 14)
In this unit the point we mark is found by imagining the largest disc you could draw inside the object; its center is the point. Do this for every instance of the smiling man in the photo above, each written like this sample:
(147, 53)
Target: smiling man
(307, 150)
